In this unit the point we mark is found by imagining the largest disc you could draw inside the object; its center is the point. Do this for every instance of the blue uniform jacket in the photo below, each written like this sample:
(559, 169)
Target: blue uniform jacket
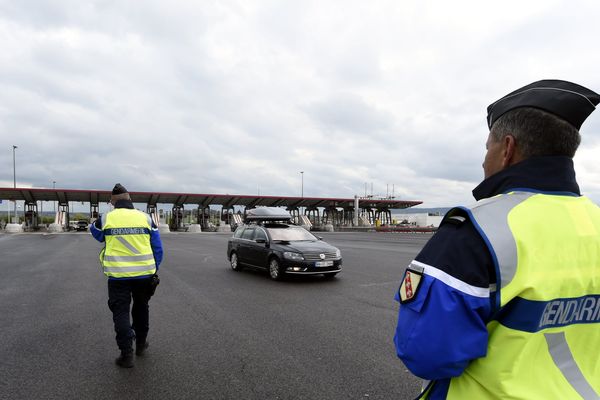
(155, 242)
(443, 327)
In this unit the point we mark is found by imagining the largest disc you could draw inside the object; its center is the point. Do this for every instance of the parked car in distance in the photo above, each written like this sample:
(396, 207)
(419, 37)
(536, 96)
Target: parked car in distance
(82, 225)
(268, 240)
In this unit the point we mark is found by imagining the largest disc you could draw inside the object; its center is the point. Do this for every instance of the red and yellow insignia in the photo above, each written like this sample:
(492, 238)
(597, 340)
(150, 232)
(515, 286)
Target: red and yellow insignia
(410, 284)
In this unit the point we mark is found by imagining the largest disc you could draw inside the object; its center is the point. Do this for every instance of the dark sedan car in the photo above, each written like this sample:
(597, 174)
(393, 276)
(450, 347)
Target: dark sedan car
(82, 225)
(282, 248)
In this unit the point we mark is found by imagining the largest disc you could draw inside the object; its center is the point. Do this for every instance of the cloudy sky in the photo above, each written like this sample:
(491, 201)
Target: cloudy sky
(240, 96)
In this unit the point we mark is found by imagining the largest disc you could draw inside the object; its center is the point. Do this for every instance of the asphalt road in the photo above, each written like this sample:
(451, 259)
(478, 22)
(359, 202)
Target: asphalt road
(214, 333)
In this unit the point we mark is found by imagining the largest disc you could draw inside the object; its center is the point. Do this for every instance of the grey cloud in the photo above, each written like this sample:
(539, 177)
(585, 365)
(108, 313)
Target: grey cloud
(238, 97)
(349, 113)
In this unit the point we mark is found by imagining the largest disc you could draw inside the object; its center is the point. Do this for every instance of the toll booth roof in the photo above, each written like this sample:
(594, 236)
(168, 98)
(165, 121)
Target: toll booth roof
(63, 196)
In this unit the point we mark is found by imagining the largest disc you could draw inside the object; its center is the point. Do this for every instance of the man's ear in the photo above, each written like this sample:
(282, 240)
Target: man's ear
(509, 148)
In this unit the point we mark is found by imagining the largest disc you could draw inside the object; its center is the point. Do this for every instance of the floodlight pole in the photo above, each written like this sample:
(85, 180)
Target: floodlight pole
(356, 210)
(302, 190)
(15, 179)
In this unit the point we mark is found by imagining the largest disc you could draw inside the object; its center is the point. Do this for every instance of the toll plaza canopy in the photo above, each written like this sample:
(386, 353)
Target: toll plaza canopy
(95, 197)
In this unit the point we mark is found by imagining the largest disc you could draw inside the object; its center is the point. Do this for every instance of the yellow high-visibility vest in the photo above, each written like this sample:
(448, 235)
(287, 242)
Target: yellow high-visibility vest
(127, 252)
(544, 343)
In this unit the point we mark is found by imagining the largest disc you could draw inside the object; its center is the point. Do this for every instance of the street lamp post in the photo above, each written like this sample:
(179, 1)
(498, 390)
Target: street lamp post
(15, 179)
(302, 190)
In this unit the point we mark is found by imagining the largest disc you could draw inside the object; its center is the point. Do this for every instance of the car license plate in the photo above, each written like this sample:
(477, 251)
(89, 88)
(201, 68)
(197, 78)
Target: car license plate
(323, 263)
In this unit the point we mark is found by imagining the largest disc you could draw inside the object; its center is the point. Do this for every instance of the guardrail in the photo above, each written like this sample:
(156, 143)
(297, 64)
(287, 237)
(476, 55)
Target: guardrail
(410, 229)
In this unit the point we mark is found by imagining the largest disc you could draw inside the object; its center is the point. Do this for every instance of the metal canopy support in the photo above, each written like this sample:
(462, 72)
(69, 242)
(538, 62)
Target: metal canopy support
(229, 204)
(356, 211)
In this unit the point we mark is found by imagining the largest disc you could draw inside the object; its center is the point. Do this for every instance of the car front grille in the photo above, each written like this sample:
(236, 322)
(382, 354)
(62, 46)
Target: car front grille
(312, 256)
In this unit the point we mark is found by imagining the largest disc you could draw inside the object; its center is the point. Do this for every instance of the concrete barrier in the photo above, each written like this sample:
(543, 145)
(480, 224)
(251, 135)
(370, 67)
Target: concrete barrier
(224, 228)
(14, 228)
(194, 228)
(55, 228)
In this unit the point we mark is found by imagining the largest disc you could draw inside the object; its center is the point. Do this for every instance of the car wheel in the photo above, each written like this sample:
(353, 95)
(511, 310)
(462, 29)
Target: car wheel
(275, 271)
(330, 276)
(234, 262)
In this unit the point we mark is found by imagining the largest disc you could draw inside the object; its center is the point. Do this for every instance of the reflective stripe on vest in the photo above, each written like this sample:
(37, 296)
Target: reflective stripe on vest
(127, 252)
(544, 339)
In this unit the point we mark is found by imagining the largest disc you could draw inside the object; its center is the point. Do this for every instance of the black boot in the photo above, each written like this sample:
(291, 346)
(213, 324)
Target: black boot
(125, 360)
(140, 348)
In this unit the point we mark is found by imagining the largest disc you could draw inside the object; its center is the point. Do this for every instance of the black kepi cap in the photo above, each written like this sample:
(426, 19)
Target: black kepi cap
(119, 189)
(566, 100)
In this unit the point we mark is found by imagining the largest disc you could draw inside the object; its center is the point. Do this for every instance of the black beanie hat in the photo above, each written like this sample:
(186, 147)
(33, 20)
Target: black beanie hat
(119, 189)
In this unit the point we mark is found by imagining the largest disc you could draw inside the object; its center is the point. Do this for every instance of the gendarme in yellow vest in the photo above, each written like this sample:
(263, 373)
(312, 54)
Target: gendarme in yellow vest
(544, 342)
(127, 252)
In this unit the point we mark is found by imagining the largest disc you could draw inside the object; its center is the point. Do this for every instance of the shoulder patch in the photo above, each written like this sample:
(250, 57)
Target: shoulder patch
(456, 216)
(411, 283)
(456, 220)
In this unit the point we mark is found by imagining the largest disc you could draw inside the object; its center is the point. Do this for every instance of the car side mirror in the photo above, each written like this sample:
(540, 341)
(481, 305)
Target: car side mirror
(320, 237)
(261, 240)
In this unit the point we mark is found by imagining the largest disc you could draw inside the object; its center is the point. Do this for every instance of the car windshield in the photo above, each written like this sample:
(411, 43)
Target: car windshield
(290, 234)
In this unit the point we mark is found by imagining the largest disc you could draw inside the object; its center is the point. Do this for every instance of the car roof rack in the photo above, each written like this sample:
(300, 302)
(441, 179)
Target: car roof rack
(270, 214)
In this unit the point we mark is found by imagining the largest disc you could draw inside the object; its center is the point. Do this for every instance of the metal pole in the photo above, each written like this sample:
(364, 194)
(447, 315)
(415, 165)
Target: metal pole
(356, 210)
(302, 193)
(15, 179)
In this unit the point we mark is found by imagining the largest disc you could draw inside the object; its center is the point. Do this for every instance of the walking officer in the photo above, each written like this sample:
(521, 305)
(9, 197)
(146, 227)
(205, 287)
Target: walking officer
(130, 259)
(503, 302)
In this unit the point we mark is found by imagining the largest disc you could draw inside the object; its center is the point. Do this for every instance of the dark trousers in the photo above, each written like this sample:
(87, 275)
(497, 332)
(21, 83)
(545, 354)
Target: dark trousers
(120, 293)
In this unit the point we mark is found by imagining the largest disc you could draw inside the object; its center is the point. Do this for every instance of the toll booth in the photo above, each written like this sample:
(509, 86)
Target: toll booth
(31, 217)
(176, 222)
(236, 220)
(94, 212)
(153, 212)
(203, 217)
(331, 215)
(348, 215)
(384, 216)
(368, 214)
(313, 215)
(295, 213)
(227, 215)
(62, 217)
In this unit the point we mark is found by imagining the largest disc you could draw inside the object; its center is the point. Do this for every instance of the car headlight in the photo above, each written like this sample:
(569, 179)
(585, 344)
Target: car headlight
(293, 256)
(338, 254)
